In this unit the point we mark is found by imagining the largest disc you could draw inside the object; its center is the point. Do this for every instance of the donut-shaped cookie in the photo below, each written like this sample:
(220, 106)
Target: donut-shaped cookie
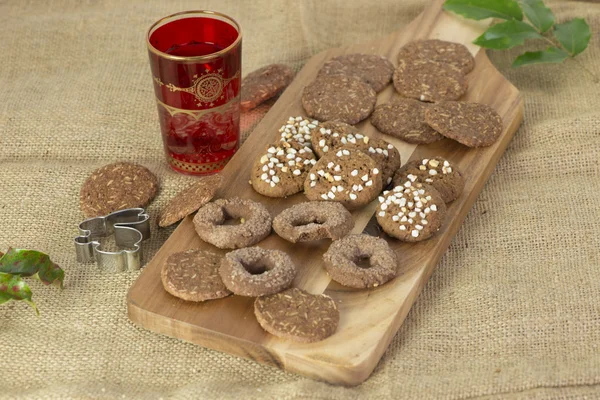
(255, 271)
(313, 220)
(254, 226)
(344, 255)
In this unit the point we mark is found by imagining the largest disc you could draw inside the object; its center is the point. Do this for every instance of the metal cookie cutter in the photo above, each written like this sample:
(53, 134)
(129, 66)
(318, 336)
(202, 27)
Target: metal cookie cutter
(130, 227)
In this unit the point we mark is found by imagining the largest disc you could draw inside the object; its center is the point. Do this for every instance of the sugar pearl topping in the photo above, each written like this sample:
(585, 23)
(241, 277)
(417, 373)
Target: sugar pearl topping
(298, 129)
(434, 167)
(284, 159)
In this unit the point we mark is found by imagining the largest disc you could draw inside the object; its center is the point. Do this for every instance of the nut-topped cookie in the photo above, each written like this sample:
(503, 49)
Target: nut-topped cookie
(437, 172)
(430, 81)
(374, 69)
(411, 212)
(348, 176)
(298, 130)
(281, 170)
(442, 51)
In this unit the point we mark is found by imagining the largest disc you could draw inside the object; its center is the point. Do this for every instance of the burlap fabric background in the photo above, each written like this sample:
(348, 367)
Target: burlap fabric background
(512, 310)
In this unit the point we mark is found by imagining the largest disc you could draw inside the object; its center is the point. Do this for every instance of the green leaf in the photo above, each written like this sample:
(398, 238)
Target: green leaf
(481, 9)
(12, 287)
(29, 263)
(540, 16)
(506, 35)
(550, 55)
(573, 35)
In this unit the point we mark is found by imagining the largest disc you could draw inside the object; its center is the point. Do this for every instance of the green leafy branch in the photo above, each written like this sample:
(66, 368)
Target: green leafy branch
(566, 40)
(16, 264)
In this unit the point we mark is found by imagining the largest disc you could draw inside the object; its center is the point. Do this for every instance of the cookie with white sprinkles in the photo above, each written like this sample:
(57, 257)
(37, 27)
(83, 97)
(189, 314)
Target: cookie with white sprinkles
(347, 176)
(298, 130)
(411, 212)
(430, 81)
(437, 172)
(374, 69)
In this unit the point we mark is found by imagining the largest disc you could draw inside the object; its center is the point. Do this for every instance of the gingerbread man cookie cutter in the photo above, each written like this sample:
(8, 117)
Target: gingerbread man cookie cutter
(130, 227)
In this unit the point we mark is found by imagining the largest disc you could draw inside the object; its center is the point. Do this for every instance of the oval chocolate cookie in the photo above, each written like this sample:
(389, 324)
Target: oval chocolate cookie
(452, 53)
(386, 156)
(297, 315)
(437, 172)
(193, 275)
(298, 130)
(405, 119)
(339, 97)
(263, 84)
(411, 212)
(347, 176)
(374, 69)
(472, 124)
(429, 80)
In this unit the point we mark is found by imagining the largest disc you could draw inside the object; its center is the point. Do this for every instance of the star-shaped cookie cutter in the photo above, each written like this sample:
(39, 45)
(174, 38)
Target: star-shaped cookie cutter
(130, 227)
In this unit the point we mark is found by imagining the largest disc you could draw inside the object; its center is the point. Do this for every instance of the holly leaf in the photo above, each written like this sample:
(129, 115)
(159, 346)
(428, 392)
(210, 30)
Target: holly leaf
(540, 16)
(506, 35)
(550, 55)
(573, 35)
(481, 9)
(30, 263)
(13, 287)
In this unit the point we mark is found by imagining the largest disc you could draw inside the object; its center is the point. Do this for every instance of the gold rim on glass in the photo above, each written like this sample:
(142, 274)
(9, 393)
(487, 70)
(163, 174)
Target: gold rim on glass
(194, 58)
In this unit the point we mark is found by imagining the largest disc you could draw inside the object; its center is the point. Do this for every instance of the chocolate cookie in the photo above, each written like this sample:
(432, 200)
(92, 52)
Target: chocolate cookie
(255, 271)
(297, 315)
(298, 130)
(405, 119)
(343, 257)
(411, 212)
(193, 275)
(313, 220)
(373, 69)
(255, 223)
(386, 156)
(472, 124)
(263, 84)
(190, 199)
(426, 80)
(339, 97)
(437, 172)
(452, 53)
(116, 187)
(347, 176)
(281, 170)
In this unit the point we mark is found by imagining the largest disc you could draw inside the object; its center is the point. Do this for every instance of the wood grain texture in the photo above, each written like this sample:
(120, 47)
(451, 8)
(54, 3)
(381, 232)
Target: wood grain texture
(368, 318)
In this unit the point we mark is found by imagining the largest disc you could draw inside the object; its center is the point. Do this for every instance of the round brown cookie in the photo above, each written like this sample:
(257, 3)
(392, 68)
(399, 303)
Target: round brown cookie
(411, 212)
(263, 84)
(437, 172)
(193, 275)
(281, 170)
(255, 271)
(374, 69)
(386, 156)
(298, 130)
(472, 124)
(343, 257)
(254, 226)
(339, 97)
(429, 80)
(405, 119)
(190, 199)
(347, 176)
(297, 315)
(313, 220)
(116, 187)
(452, 53)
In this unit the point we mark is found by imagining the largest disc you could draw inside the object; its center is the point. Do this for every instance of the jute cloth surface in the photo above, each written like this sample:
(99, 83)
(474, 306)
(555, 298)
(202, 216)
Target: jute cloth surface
(512, 310)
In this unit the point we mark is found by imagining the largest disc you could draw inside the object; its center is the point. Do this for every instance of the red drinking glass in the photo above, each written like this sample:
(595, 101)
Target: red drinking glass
(195, 58)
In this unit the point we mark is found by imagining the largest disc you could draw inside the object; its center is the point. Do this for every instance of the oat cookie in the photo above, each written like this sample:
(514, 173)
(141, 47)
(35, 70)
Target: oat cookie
(405, 119)
(281, 169)
(429, 80)
(254, 226)
(386, 156)
(263, 84)
(411, 212)
(297, 315)
(116, 187)
(298, 130)
(190, 199)
(373, 69)
(347, 176)
(344, 255)
(255, 271)
(339, 97)
(472, 124)
(437, 172)
(193, 275)
(313, 220)
(452, 53)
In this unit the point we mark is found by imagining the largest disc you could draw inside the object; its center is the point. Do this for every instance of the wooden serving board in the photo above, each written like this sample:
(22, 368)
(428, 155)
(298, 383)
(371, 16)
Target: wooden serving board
(368, 318)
